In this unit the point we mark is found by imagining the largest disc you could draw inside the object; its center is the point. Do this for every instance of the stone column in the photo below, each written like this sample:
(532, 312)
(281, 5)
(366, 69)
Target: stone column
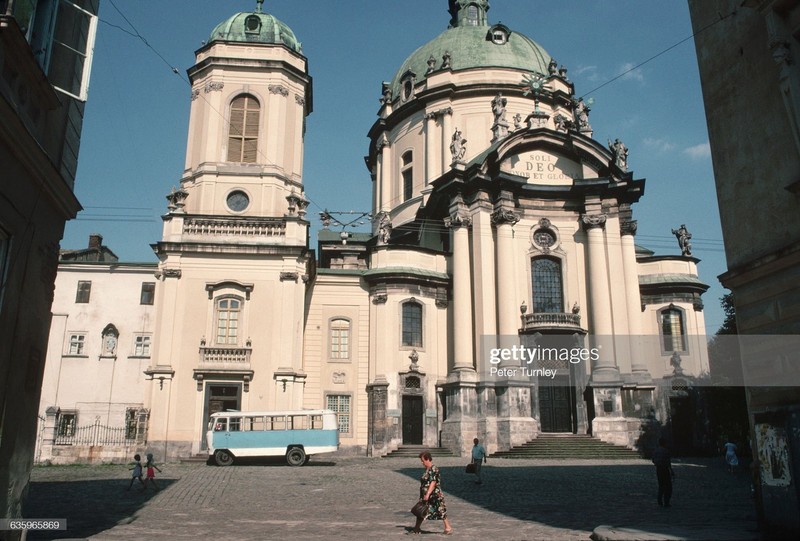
(447, 132)
(634, 301)
(606, 369)
(503, 218)
(386, 173)
(430, 148)
(462, 290)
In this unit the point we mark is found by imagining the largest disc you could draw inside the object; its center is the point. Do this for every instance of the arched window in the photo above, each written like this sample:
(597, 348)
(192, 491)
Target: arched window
(472, 15)
(228, 316)
(673, 333)
(548, 290)
(407, 174)
(340, 339)
(412, 324)
(243, 130)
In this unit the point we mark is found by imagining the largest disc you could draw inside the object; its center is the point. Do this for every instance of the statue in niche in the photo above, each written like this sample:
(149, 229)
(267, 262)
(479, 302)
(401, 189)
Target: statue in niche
(552, 67)
(458, 146)
(683, 236)
(675, 362)
(620, 152)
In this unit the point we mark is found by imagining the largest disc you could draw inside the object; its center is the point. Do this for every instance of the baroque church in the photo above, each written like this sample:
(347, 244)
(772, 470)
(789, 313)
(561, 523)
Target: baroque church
(500, 293)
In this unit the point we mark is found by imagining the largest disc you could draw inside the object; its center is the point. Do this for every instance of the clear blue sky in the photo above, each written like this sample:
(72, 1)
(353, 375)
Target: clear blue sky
(135, 130)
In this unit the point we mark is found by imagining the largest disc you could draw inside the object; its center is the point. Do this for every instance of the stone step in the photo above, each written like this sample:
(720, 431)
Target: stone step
(406, 451)
(567, 446)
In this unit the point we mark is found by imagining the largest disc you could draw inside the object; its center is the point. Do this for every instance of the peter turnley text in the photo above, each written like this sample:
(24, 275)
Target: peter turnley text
(542, 354)
(511, 372)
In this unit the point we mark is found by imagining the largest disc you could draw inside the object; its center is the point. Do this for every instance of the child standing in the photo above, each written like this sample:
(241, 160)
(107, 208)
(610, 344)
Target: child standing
(151, 474)
(137, 472)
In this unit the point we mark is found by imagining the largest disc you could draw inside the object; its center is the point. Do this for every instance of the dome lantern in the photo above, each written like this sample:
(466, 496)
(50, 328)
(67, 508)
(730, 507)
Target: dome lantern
(468, 12)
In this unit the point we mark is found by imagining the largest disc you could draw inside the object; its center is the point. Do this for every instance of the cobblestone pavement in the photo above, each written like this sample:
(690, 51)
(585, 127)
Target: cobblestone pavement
(361, 498)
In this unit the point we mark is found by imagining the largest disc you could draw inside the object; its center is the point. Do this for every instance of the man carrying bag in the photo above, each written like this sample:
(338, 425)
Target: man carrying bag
(478, 458)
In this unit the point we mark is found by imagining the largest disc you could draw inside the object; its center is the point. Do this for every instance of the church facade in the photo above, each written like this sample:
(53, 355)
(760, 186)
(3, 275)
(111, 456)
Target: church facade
(500, 293)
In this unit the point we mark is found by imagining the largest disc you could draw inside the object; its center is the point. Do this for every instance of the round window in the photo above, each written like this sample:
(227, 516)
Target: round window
(544, 238)
(238, 201)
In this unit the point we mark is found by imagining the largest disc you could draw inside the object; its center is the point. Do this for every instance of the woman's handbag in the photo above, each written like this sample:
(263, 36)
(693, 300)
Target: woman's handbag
(470, 467)
(420, 509)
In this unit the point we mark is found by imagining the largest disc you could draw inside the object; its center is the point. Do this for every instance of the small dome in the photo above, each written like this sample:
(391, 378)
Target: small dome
(471, 47)
(255, 27)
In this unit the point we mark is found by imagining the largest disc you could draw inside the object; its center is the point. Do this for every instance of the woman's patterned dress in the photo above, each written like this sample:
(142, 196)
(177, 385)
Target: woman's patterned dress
(436, 507)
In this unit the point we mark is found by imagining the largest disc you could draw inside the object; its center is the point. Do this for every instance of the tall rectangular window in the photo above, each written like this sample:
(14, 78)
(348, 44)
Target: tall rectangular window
(340, 339)
(243, 129)
(77, 343)
(672, 332)
(148, 294)
(84, 292)
(548, 296)
(228, 311)
(407, 174)
(412, 324)
(340, 403)
(141, 346)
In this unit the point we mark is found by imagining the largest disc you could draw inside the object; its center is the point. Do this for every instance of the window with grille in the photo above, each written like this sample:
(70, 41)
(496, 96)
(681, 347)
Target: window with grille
(228, 315)
(77, 344)
(131, 419)
(84, 292)
(548, 291)
(412, 324)
(340, 339)
(141, 346)
(148, 295)
(67, 422)
(672, 330)
(407, 173)
(340, 403)
(243, 130)
(472, 15)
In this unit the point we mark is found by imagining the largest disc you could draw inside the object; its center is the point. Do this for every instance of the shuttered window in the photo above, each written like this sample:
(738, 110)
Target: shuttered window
(243, 132)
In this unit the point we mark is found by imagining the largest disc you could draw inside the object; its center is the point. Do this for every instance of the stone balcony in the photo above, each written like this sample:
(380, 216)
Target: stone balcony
(551, 322)
(229, 362)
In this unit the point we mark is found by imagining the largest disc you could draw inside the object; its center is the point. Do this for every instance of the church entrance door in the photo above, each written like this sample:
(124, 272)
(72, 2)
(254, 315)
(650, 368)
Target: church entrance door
(412, 420)
(219, 397)
(555, 405)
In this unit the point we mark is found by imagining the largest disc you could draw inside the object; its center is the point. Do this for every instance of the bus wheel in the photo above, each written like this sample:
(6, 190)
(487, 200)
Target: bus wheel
(223, 458)
(296, 456)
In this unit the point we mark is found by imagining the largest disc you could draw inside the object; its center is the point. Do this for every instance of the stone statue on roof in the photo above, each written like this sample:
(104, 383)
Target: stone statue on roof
(683, 236)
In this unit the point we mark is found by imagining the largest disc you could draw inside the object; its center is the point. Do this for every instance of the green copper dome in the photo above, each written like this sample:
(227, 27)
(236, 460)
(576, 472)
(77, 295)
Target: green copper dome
(255, 27)
(473, 46)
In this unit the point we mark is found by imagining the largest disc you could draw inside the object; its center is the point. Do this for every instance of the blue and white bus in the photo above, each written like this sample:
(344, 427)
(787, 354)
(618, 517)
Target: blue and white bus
(294, 434)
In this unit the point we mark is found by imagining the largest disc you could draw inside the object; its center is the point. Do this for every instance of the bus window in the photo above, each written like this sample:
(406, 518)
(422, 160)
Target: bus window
(298, 422)
(219, 425)
(235, 424)
(255, 423)
(278, 422)
(316, 422)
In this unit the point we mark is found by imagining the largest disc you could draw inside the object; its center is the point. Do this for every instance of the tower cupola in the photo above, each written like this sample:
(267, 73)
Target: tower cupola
(468, 12)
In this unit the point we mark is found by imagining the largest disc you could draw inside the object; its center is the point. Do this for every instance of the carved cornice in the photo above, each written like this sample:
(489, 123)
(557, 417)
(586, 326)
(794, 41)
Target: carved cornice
(592, 221)
(195, 94)
(441, 112)
(628, 227)
(213, 87)
(278, 89)
(379, 298)
(300, 100)
(168, 273)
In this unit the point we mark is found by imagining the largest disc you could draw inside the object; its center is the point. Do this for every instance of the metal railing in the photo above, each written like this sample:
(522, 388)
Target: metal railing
(96, 434)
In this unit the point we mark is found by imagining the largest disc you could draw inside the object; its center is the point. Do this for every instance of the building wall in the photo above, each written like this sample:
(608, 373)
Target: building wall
(745, 59)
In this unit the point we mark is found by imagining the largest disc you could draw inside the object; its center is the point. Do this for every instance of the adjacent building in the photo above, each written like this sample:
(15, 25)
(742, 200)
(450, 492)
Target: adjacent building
(45, 57)
(499, 294)
(748, 56)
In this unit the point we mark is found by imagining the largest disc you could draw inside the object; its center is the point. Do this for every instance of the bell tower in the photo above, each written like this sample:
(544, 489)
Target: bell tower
(234, 250)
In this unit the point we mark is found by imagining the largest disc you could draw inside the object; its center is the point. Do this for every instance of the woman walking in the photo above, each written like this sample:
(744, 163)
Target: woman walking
(430, 491)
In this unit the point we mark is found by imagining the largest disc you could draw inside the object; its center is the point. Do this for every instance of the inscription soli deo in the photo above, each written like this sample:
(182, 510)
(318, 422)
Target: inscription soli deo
(542, 167)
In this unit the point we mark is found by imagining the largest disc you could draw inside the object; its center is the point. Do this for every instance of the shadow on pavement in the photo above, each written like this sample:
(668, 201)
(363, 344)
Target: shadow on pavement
(90, 506)
(584, 497)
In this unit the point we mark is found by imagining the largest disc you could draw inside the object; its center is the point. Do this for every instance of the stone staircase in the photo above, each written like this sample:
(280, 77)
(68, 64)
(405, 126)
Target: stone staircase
(413, 451)
(568, 446)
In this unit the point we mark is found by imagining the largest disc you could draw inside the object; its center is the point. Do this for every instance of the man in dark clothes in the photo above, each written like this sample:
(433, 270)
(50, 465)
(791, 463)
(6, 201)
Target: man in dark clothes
(664, 472)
